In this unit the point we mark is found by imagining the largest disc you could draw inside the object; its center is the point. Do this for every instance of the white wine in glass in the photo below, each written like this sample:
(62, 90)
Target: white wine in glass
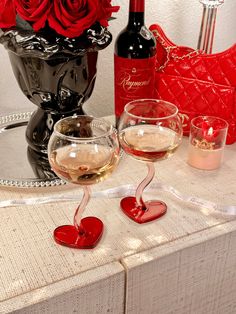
(82, 150)
(149, 130)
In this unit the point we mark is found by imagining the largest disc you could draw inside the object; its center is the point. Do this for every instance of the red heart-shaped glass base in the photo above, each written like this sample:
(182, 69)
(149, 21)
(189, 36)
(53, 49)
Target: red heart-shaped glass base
(68, 235)
(154, 209)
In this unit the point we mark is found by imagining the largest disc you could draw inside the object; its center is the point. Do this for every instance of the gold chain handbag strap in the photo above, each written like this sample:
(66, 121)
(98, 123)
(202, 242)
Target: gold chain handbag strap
(168, 50)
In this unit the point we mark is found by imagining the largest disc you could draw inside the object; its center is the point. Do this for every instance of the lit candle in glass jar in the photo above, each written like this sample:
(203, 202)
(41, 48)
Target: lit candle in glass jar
(206, 142)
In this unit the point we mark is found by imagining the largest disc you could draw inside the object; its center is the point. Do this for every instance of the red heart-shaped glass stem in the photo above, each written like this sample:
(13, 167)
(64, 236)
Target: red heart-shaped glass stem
(69, 235)
(152, 210)
(138, 210)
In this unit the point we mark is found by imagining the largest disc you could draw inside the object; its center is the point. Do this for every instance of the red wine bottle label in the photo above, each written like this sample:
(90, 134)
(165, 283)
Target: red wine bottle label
(134, 79)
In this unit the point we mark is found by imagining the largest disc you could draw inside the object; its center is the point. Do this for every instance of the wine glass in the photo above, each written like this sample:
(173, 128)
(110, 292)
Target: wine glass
(82, 150)
(149, 130)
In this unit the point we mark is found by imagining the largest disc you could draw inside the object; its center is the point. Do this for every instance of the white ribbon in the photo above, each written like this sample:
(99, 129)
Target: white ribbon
(121, 191)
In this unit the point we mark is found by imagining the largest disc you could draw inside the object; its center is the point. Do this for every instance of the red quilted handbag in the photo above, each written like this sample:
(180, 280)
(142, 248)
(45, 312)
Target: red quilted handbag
(198, 83)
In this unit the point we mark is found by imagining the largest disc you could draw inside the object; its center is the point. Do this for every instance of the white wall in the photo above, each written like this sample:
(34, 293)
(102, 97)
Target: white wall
(181, 21)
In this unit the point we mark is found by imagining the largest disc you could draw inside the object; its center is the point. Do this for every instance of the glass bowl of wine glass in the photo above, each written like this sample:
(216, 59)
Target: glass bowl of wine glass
(83, 150)
(149, 130)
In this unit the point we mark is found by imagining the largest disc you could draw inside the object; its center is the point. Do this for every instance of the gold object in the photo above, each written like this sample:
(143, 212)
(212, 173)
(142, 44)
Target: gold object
(203, 144)
(169, 50)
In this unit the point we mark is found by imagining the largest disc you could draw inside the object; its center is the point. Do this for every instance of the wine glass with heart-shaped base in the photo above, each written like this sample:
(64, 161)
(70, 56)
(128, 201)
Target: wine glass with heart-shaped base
(149, 130)
(82, 150)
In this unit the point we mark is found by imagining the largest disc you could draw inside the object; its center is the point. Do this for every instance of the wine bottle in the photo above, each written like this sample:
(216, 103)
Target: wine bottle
(134, 59)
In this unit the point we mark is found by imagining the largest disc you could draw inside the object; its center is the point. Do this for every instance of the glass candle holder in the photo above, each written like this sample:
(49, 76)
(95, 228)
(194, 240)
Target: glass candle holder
(206, 142)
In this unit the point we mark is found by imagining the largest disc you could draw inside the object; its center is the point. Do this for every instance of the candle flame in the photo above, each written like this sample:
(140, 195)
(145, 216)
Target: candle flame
(210, 131)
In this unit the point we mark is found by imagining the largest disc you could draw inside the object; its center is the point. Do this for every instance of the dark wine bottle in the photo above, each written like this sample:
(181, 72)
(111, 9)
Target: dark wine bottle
(134, 59)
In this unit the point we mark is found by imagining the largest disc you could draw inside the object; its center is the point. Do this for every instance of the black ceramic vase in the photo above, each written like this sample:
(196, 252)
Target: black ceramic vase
(55, 73)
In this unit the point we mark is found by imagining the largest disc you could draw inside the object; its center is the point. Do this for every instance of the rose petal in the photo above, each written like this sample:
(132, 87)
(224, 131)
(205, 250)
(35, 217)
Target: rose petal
(7, 14)
(72, 18)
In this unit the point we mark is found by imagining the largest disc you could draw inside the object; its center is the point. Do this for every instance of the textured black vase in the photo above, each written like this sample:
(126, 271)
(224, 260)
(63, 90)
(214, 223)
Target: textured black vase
(55, 73)
(58, 86)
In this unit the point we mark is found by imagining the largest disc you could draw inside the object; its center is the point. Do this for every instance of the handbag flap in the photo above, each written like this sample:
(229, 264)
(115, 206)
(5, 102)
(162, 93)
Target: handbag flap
(184, 61)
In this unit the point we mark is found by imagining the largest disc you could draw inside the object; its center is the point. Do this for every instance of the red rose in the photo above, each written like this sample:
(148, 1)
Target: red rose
(34, 11)
(7, 14)
(105, 12)
(71, 17)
